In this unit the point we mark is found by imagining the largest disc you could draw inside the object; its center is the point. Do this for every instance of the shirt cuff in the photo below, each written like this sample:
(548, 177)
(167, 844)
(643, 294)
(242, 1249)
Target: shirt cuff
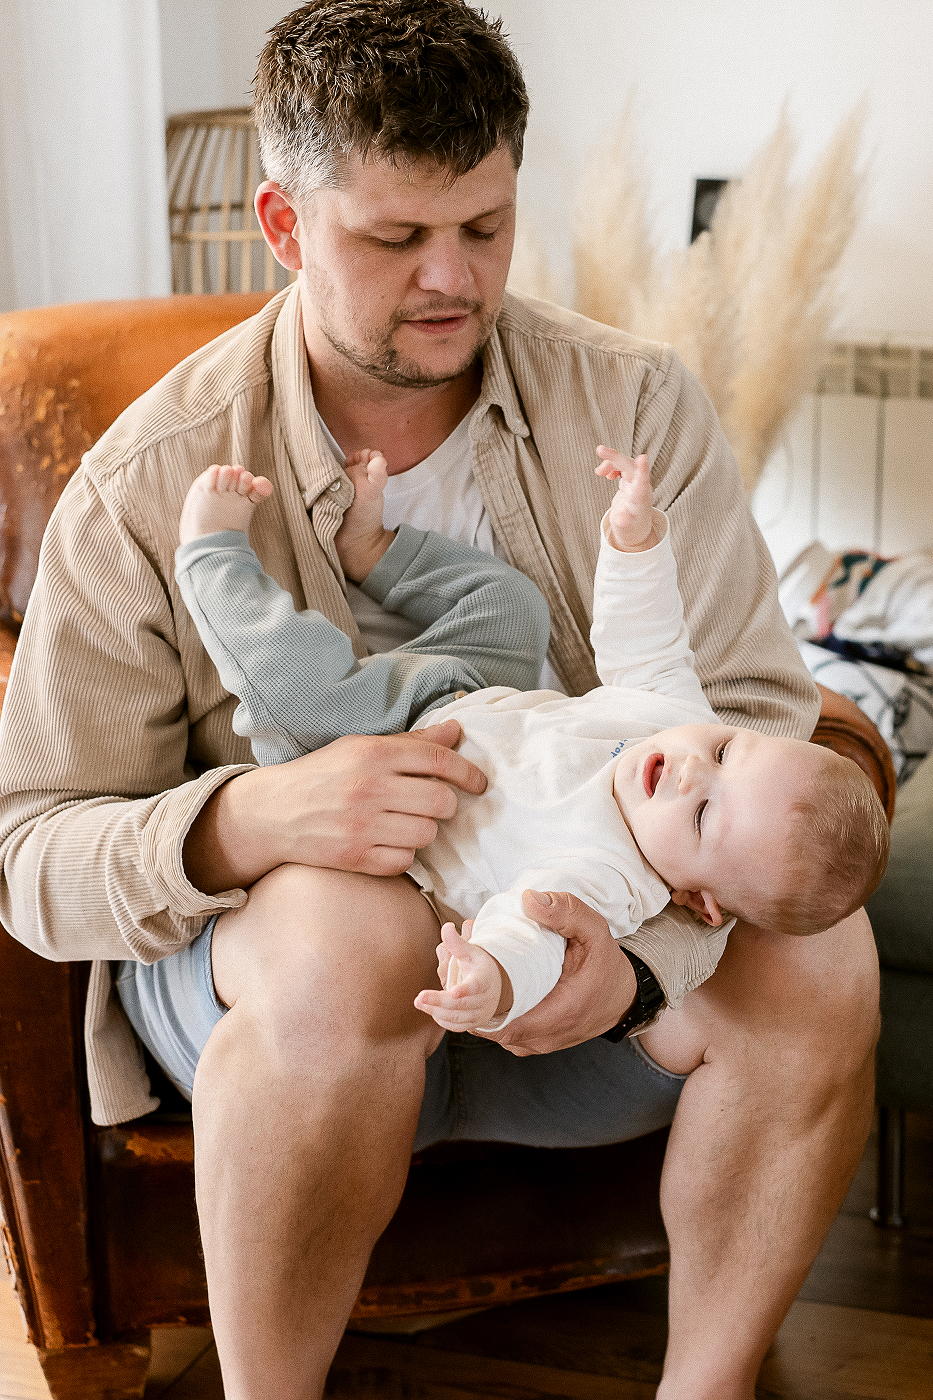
(163, 840)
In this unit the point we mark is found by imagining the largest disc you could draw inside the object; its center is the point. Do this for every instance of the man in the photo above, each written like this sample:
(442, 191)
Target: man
(392, 132)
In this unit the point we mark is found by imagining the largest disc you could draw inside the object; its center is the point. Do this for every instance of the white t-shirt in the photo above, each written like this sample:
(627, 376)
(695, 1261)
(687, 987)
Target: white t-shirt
(438, 494)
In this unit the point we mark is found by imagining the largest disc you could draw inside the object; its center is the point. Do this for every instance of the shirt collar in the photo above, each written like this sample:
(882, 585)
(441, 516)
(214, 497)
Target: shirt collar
(499, 390)
(315, 467)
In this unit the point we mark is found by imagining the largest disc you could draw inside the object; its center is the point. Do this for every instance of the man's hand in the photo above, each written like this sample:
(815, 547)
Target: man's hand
(362, 803)
(597, 982)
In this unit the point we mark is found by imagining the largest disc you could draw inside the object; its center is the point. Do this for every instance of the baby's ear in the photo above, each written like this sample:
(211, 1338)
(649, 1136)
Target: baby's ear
(702, 903)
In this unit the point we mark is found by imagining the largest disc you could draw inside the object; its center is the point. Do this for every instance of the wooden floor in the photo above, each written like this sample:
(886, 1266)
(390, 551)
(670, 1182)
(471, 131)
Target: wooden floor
(862, 1329)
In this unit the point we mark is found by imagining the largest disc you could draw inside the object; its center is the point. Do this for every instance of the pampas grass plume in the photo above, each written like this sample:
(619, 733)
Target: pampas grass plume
(748, 306)
(790, 302)
(530, 271)
(614, 254)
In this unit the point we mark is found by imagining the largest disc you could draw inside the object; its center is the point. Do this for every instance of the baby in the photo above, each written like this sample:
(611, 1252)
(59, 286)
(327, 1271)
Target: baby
(630, 797)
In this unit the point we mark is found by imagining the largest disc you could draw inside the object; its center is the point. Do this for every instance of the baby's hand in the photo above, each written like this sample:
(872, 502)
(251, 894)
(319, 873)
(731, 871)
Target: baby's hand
(361, 540)
(476, 989)
(631, 521)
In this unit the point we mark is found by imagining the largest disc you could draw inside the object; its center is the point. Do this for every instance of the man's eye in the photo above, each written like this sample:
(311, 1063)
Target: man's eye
(398, 242)
(698, 819)
(481, 235)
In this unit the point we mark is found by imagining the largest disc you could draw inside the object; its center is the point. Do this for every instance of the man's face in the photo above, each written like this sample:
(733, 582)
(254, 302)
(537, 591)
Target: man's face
(403, 271)
(709, 807)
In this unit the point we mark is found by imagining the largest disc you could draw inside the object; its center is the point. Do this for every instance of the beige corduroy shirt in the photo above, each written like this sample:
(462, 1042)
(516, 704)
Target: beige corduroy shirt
(116, 729)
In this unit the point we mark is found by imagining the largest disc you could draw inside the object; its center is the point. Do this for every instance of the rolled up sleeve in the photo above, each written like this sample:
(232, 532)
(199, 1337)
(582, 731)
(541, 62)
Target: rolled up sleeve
(96, 790)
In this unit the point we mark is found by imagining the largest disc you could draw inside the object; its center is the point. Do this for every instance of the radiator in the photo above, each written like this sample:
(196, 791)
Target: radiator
(854, 466)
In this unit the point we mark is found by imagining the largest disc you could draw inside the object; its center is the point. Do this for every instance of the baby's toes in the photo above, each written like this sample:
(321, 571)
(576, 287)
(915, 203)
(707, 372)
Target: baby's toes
(226, 479)
(262, 487)
(207, 481)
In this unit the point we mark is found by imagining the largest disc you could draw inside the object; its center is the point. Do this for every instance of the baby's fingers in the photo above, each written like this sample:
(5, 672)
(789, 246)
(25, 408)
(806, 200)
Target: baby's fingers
(456, 945)
(616, 464)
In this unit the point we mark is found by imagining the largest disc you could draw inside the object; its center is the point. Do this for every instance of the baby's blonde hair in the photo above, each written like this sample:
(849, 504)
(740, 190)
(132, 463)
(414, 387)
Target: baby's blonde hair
(835, 853)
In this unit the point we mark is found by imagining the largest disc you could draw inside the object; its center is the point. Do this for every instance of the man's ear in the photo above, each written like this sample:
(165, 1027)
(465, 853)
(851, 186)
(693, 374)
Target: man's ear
(278, 219)
(702, 903)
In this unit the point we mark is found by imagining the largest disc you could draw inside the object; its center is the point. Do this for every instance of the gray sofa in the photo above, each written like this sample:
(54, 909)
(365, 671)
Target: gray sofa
(901, 912)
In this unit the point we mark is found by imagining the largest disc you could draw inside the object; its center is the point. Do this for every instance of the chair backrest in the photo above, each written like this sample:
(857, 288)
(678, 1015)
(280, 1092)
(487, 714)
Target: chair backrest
(66, 372)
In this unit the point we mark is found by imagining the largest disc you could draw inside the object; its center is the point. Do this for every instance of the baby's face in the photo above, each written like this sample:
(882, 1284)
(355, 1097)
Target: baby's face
(708, 805)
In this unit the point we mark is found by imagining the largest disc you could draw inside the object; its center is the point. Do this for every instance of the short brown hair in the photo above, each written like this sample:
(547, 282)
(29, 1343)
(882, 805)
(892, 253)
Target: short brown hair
(836, 851)
(399, 80)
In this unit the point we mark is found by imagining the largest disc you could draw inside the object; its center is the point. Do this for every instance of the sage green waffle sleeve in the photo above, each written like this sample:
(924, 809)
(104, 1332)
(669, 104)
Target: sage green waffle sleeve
(296, 677)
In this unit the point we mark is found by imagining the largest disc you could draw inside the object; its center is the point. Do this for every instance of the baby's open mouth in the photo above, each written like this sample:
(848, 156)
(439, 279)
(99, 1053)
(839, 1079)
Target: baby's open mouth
(651, 773)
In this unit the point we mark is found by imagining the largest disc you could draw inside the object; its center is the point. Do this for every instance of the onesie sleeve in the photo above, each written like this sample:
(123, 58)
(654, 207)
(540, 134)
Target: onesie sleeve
(532, 955)
(639, 635)
(680, 950)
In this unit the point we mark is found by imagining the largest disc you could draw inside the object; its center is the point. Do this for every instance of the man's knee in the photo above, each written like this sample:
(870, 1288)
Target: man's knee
(331, 943)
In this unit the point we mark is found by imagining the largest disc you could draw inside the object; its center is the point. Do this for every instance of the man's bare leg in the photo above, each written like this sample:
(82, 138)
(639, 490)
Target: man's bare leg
(306, 1101)
(769, 1131)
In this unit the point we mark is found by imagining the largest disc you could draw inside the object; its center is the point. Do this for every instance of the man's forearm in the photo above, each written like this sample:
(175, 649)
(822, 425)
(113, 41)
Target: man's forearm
(103, 878)
(225, 847)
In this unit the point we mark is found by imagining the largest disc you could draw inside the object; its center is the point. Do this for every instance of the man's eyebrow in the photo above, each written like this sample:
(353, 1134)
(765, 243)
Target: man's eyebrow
(414, 223)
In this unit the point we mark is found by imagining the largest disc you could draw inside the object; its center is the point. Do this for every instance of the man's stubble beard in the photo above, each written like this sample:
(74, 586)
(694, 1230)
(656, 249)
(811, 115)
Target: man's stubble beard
(385, 364)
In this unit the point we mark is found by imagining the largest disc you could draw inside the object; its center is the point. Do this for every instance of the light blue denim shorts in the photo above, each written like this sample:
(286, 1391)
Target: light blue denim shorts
(592, 1094)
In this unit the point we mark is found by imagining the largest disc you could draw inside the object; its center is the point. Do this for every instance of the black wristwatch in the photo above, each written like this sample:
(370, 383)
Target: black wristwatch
(649, 1000)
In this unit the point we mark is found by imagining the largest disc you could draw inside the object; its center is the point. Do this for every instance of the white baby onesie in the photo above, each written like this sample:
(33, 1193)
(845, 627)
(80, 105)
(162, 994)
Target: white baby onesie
(548, 818)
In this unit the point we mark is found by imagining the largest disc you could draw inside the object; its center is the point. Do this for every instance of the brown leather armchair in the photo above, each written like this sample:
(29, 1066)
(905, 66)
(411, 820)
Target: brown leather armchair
(99, 1224)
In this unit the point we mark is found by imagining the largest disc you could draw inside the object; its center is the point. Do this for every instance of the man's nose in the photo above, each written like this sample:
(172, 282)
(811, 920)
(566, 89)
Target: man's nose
(444, 268)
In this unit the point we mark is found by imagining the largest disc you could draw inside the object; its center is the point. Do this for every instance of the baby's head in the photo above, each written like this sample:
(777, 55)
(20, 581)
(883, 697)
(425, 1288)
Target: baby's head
(785, 834)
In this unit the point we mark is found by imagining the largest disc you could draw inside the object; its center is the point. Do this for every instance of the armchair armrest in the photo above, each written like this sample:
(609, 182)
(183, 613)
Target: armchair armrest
(43, 1144)
(843, 728)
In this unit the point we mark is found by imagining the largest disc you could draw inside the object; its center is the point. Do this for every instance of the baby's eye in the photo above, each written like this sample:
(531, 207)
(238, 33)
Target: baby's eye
(721, 751)
(698, 819)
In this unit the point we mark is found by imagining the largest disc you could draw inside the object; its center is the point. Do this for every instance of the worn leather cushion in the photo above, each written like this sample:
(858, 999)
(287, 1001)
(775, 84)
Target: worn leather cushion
(901, 909)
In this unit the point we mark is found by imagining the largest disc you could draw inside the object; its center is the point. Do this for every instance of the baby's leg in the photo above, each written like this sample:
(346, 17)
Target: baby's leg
(222, 498)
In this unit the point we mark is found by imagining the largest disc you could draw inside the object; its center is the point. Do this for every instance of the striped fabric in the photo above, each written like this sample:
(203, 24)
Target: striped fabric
(116, 728)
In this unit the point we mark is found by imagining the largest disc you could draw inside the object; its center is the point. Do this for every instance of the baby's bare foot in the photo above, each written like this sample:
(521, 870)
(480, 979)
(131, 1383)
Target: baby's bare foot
(222, 498)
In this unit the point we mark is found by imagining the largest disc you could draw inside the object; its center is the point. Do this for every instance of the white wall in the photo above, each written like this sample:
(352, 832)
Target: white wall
(711, 76)
(210, 48)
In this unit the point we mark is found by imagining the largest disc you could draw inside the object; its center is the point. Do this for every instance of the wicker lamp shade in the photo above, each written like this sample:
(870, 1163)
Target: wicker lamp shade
(213, 172)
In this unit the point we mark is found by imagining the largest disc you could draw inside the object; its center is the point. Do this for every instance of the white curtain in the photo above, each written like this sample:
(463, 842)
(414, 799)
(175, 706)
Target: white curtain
(82, 152)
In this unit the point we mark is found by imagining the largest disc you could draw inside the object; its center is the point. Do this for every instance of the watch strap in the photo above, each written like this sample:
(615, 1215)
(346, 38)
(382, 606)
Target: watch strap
(649, 1000)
